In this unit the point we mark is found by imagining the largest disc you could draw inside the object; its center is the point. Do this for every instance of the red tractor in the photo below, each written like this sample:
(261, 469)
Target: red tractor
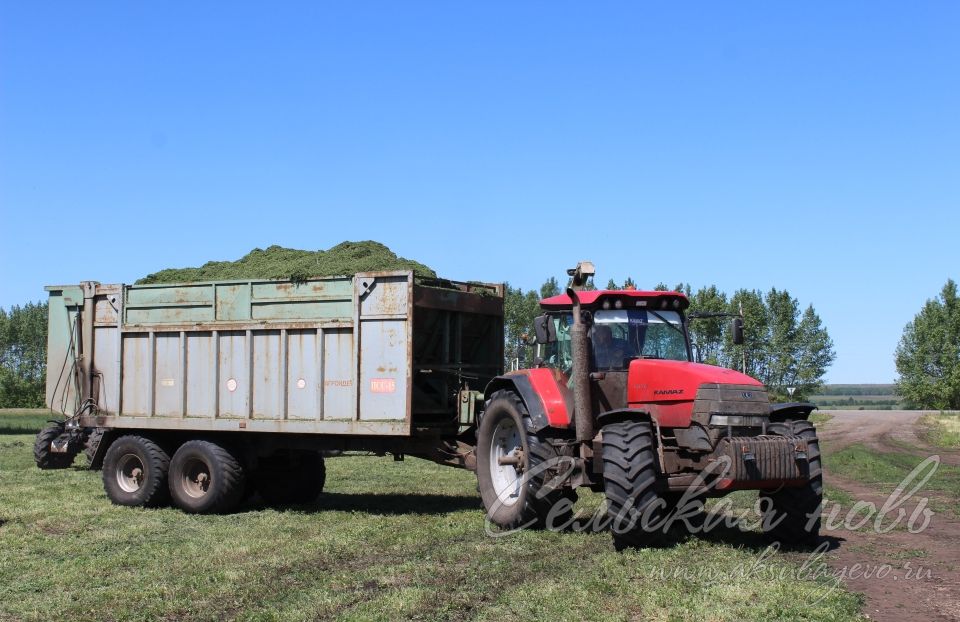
(616, 403)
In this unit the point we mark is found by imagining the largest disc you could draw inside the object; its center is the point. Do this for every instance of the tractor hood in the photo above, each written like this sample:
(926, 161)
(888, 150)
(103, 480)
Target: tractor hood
(667, 388)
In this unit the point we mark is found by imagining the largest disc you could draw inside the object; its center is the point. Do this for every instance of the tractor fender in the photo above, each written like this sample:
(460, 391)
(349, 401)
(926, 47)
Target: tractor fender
(548, 401)
(791, 411)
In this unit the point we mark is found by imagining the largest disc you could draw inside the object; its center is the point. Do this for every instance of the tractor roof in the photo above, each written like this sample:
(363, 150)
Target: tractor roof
(654, 299)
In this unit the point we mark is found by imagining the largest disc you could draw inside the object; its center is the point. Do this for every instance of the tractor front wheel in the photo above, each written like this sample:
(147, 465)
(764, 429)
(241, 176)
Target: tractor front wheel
(793, 514)
(629, 481)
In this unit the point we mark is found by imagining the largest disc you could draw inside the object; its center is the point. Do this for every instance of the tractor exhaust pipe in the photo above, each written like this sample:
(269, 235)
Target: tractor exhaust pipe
(581, 373)
(583, 417)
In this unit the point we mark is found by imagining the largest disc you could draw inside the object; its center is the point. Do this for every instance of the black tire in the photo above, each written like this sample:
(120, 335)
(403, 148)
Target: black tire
(135, 472)
(206, 478)
(294, 480)
(538, 490)
(42, 455)
(793, 517)
(629, 483)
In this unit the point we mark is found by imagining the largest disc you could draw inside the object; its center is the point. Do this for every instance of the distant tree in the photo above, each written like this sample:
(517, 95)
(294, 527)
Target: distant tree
(519, 309)
(661, 287)
(550, 288)
(707, 333)
(612, 285)
(629, 284)
(783, 347)
(928, 355)
(23, 356)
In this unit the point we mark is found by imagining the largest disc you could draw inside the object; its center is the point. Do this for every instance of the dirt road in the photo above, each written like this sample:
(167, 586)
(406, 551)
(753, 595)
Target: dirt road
(921, 571)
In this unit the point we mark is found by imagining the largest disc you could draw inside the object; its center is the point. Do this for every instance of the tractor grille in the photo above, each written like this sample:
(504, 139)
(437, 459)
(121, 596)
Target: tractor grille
(761, 458)
(729, 399)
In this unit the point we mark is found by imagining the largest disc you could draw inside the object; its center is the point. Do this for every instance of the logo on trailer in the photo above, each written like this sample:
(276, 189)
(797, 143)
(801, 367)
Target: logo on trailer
(383, 385)
(747, 395)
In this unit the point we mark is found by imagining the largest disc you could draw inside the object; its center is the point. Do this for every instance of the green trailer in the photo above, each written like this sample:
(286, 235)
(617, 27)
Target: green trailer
(256, 380)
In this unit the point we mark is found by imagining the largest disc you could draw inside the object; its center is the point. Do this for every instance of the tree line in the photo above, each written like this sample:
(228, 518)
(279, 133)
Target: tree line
(786, 345)
(928, 355)
(23, 356)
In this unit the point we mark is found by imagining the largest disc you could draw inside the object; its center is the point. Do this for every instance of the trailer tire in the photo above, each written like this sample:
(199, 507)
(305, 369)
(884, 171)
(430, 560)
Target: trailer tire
(629, 483)
(206, 478)
(793, 514)
(42, 455)
(135, 472)
(298, 482)
(531, 504)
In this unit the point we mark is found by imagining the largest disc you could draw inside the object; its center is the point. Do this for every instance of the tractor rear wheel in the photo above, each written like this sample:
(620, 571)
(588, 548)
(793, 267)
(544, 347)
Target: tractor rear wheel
(629, 480)
(135, 472)
(514, 469)
(793, 514)
(206, 478)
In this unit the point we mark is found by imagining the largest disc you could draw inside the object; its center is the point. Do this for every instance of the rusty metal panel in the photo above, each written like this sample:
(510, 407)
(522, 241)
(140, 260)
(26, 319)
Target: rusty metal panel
(166, 377)
(233, 302)
(201, 375)
(304, 378)
(233, 385)
(268, 383)
(383, 370)
(384, 346)
(339, 386)
(105, 311)
(136, 374)
(61, 346)
(105, 367)
(156, 304)
(311, 300)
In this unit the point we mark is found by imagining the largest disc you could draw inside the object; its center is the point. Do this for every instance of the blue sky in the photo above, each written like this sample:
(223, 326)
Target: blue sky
(809, 146)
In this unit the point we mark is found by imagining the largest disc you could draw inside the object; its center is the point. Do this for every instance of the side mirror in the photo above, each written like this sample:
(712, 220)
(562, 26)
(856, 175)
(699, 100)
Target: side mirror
(545, 328)
(737, 327)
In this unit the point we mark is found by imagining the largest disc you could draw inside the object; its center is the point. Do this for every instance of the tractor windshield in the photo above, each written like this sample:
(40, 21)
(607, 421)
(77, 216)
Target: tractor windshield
(620, 335)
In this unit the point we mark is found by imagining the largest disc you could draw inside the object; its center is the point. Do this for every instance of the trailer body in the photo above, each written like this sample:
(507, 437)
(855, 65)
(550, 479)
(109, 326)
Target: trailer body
(375, 354)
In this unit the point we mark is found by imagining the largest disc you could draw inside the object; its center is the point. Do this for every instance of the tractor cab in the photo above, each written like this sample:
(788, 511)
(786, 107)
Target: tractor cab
(624, 325)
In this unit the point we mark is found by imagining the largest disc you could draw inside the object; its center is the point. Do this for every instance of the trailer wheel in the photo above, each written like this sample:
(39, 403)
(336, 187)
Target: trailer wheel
(135, 472)
(629, 480)
(206, 478)
(296, 481)
(513, 468)
(42, 455)
(793, 516)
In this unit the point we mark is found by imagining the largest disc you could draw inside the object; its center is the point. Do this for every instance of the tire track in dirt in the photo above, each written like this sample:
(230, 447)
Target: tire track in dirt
(923, 582)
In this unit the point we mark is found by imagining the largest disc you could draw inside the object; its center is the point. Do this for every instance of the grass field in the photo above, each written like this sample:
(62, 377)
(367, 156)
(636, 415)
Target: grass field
(941, 429)
(858, 397)
(887, 469)
(389, 540)
(24, 421)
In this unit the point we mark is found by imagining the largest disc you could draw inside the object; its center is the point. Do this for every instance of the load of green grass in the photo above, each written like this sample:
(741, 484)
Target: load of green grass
(277, 262)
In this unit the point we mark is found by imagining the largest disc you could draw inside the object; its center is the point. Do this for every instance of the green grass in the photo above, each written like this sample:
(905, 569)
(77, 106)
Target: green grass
(888, 469)
(390, 540)
(941, 430)
(15, 421)
(819, 418)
